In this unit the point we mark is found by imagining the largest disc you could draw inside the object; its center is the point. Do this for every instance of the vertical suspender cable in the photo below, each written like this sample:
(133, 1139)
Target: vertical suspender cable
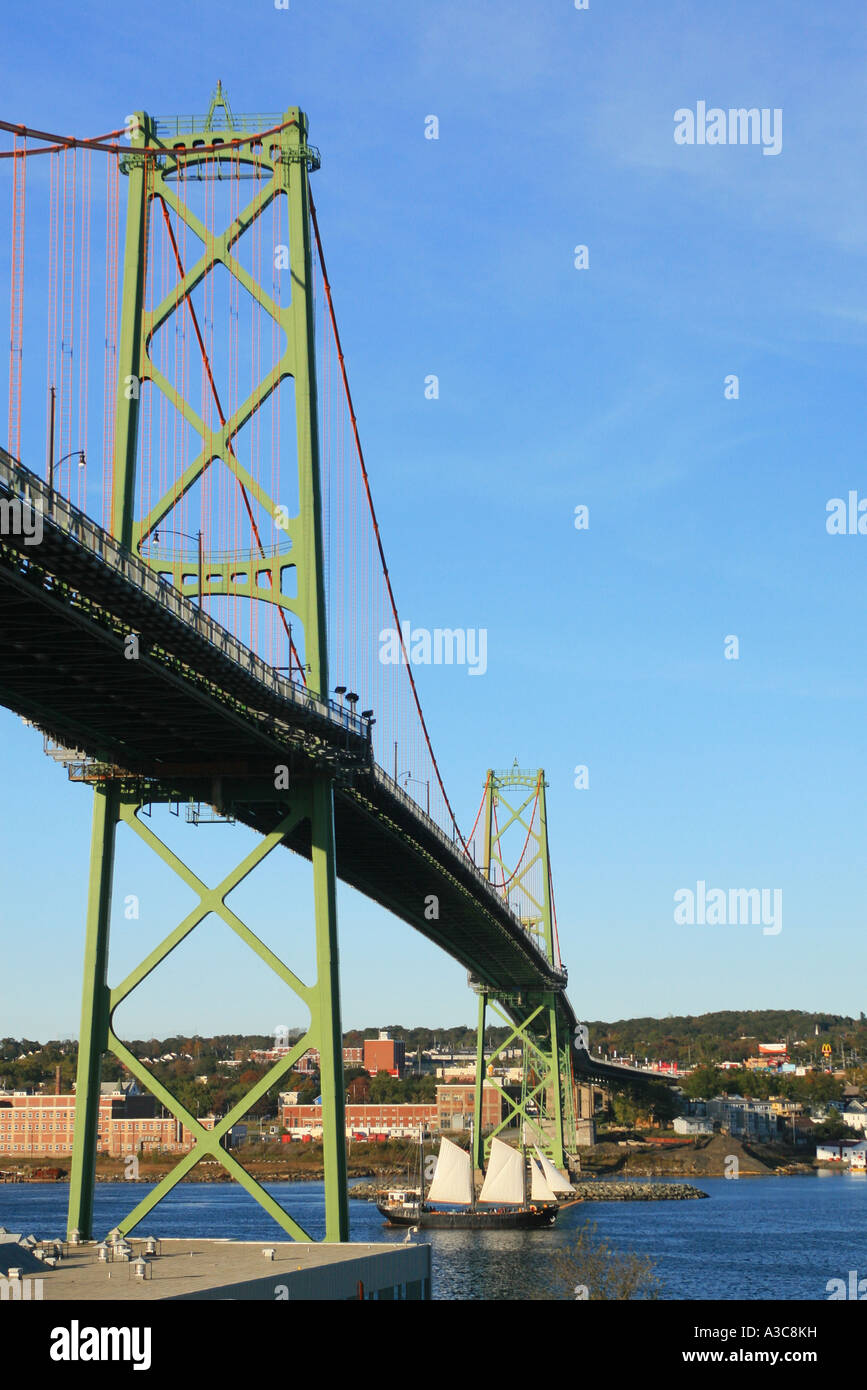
(16, 304)
(360, 453)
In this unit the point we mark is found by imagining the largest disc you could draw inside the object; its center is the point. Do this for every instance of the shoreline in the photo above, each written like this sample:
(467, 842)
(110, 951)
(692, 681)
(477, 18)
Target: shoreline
(608, 1162)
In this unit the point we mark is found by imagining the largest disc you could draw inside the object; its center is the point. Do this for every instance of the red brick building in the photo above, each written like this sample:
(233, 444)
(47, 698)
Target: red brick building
(401, 1121)
(44, 1124)
(384, 1054)
(453, 1109)
(456, 1104)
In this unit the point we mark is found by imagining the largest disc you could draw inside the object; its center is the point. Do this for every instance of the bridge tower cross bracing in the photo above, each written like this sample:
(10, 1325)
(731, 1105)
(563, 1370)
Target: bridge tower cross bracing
(162, 155)
(515, 802)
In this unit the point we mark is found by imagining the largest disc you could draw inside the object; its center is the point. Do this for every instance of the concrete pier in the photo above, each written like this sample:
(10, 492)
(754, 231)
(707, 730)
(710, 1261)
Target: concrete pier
(227, 1269)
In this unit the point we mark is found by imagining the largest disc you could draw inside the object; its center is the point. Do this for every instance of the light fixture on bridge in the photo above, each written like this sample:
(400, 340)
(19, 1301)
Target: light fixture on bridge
(341, 691)
(352, 699)
(368, 714)
(170, 531)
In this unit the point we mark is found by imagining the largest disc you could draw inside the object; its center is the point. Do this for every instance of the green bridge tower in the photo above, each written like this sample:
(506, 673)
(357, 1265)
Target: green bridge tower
(281, 163)
(545, 1109)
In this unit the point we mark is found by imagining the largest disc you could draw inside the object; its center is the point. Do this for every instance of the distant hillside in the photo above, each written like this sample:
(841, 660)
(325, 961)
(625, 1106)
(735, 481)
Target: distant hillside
(730, 1034)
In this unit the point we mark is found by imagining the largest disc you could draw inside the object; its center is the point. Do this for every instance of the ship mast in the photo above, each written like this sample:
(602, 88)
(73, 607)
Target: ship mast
(472, 1171)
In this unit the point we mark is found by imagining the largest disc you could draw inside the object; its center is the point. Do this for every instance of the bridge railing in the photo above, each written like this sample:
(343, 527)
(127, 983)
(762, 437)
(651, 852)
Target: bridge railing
(61, 513)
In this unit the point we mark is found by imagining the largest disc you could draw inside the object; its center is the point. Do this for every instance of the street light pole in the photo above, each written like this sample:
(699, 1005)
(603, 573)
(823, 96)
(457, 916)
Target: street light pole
(55, 468)
(418, 782)
(52, 393)
(169, 530)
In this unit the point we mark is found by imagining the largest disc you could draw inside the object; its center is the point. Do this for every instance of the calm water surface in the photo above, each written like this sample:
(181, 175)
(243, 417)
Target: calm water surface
(755, 1238)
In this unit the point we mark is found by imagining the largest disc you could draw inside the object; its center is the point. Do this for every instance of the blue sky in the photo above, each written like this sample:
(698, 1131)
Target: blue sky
(558, 387)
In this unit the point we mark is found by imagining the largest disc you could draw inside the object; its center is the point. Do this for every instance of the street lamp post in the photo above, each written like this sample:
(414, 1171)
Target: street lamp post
(55, 467)
(52, 465)
(170, 531)
(52, 395)
(419, 783)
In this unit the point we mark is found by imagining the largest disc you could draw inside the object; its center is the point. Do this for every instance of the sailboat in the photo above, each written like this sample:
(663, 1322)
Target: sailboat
(549, 1179)
(451, 1203)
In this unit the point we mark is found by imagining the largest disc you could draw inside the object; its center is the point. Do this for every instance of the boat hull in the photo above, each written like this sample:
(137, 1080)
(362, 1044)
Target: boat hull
(518, 1219)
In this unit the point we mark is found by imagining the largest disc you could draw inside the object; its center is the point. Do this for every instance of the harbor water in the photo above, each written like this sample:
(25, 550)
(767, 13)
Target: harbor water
(756, 1238)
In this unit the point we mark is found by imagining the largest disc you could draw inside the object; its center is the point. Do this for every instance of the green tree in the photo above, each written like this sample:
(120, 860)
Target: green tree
(661, 1103)
(833, 1130)
(385, 1089)
(703, 1083)
(624, 1108)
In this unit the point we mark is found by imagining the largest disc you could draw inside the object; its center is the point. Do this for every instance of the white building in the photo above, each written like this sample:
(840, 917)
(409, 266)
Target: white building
(855, 1115)
(693, 1124)
(851, 1153)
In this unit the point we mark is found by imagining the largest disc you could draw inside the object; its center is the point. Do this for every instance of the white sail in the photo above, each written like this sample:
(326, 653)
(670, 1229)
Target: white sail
(504, 1180)
(553, 1176)
(453, 1179)
(539, 1189)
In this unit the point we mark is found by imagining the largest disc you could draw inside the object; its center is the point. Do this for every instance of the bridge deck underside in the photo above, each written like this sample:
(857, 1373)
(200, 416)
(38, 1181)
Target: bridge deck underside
(587, 1068)
(193, 722)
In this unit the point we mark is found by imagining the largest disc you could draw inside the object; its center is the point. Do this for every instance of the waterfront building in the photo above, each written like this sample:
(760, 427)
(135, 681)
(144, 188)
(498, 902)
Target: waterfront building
(396, 1121)
(851, 1153)
(129, 1124)
(453, 1109)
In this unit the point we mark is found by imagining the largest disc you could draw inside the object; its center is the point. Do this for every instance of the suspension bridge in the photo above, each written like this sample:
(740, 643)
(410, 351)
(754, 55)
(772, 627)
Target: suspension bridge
(193, 584)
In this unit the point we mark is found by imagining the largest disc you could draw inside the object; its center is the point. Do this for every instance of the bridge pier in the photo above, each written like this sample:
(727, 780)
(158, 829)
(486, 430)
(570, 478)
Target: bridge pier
(313, 803)
(328, 1008)
(93, 1038)
(541, 1107)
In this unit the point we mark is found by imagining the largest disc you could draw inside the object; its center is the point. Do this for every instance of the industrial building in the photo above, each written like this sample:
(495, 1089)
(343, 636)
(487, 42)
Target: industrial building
(129, 1123)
